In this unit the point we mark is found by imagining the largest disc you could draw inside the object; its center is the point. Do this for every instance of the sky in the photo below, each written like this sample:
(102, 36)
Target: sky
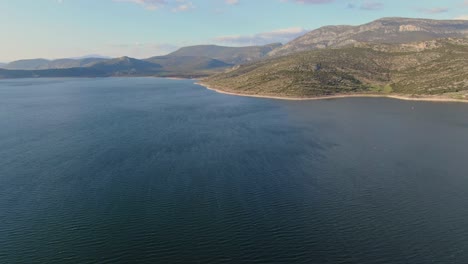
(143, 28)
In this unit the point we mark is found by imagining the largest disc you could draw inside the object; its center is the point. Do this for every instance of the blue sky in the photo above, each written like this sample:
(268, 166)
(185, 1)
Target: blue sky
(144, 28)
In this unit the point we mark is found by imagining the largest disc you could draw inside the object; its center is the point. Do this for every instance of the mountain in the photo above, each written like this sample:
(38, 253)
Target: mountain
(385, 30)
(33, 64)
(436, 67)
(74, 63)
(2, 64)
(164, 66)
(188, 66)
(195, 61)
(123, 66)
(174, 65)
(127, 66)
(229, 55)
(43, 64)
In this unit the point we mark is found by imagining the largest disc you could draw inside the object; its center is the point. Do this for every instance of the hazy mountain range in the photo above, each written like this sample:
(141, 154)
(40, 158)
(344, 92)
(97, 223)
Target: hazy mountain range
(188, 61)
(43, 64)
(403, 55)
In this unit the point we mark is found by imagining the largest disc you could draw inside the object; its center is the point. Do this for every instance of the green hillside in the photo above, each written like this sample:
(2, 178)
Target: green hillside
(425, 68)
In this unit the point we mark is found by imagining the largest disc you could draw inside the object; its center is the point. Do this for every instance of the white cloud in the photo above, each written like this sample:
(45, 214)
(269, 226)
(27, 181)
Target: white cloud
(279, 35)
(148, 4)
(232, 2)
(464, 17)
(185, 5)
(313, 2)
(370, 5)
(174, 5)
(435, 10)
(182, 6)
(367, 5)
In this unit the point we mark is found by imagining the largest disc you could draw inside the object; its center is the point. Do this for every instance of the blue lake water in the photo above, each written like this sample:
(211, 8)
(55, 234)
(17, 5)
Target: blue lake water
(145, 170)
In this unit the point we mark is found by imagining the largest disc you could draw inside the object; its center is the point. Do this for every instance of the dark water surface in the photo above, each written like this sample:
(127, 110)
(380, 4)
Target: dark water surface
(163, 171)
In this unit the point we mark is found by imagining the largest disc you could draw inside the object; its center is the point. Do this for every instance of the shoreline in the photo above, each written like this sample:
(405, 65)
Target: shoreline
(339, 96)
(423, 98)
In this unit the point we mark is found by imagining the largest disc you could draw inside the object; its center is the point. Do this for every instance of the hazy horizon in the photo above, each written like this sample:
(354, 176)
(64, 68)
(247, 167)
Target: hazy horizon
(53, 29)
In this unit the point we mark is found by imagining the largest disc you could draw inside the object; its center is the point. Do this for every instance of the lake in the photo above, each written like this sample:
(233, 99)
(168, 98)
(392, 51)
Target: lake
(146, 170)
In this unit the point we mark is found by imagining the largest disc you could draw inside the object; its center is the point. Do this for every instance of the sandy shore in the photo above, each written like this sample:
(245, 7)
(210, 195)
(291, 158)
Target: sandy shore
(394, 96)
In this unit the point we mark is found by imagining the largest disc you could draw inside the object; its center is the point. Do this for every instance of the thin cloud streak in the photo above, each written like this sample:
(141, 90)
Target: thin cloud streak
(372, 6)
(435, 10)
(310, 2)
(177, 5)
(148, 4)
(183, 6)
(232, 2)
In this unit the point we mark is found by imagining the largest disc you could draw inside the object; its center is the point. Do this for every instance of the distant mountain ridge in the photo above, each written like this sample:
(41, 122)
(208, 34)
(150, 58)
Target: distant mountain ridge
(220, 56)
(229, 55)
(123, 66)
(43, 64)
(385, 30)
(163, 66)
(187, 62)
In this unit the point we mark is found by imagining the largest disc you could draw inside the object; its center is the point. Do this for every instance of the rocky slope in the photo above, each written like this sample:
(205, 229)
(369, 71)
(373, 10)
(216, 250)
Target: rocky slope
(385, 30)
